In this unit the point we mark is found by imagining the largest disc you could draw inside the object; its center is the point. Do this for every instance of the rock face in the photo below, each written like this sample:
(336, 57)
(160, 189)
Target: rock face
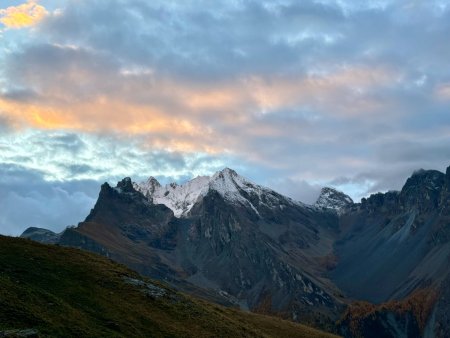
(235, 242)
(261, 255)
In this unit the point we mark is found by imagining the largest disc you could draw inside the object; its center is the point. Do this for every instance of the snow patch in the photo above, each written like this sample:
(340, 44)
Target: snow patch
(179, 198)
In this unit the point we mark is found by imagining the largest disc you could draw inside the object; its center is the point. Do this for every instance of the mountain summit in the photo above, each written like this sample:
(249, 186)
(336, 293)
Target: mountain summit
(229, 184)
(330, 198)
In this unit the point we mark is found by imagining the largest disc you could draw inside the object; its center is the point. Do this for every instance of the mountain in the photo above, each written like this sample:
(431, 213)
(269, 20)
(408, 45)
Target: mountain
(393, 234)
(51, 291)
(378, 268)
(395, 246)
(227, 183)
(333, 199)
(237, 244)
(41, 235)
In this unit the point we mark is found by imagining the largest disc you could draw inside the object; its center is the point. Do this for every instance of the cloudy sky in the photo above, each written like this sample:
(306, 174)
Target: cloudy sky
(294, 95)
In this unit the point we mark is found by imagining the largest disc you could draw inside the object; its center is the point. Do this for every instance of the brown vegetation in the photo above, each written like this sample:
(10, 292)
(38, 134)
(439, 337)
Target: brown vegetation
(64, 292)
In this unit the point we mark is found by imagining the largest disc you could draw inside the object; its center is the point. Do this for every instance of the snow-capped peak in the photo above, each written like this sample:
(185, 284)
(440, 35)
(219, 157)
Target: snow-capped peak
(227, 182)
(333, 199)
(149, 186)
(233, 187)
(179, 198)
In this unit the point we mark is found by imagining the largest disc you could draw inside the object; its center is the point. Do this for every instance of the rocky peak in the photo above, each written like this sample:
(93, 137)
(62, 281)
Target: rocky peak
(422, 190)
(125, 185)
(227, 182)
(225, 173)
(381, 202)
(447, 176)
(178, 197)
(148, 187)
(431, 179)
(331, 198)
(153, 184)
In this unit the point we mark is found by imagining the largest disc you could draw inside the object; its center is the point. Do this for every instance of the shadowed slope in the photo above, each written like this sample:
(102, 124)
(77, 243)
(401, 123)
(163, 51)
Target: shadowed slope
(69, 293)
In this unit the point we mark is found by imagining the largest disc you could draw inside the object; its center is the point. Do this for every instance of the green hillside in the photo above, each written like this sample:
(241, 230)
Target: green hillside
(66, 292)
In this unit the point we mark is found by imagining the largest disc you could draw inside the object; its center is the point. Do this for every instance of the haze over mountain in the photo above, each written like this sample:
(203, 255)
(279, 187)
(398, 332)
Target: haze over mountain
(234, 242)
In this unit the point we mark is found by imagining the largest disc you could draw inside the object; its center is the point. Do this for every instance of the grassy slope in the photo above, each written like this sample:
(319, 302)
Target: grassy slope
(66, 292)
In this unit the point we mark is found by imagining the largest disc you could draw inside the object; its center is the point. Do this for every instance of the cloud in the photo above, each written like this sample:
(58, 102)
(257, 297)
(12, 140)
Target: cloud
(29, 200)
(302, 92)
(6, 124)
(24, 15)
(67, 156)
(443, 91)
(299, 190)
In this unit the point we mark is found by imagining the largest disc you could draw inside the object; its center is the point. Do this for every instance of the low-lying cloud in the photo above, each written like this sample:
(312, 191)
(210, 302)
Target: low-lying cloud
(27, 199)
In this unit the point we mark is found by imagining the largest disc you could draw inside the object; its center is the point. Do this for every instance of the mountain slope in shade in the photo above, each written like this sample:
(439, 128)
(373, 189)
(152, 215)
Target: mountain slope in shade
(399, 237)
(395, 244)
(64, 292)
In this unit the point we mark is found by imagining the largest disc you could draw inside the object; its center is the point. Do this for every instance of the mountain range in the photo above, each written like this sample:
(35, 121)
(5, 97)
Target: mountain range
(378, 268)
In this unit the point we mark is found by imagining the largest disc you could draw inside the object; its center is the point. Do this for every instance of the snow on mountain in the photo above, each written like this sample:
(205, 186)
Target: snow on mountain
(333, 199)
(179, 198)
(233, 187)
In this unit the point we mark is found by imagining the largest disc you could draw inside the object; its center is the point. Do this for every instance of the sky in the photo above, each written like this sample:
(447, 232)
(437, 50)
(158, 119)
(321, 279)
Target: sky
(294, 95)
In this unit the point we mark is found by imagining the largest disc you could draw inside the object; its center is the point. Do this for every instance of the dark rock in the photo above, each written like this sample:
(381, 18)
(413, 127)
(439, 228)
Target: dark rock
(422, 190)
(29, 333)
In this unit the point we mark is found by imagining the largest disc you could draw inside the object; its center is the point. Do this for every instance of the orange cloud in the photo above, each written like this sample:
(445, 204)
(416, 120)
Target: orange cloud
(343, 90)
(181, 116)
(159, 128)
(24, 15)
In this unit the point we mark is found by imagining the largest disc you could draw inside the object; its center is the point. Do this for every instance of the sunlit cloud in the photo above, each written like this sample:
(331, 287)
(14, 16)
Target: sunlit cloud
(24, 15)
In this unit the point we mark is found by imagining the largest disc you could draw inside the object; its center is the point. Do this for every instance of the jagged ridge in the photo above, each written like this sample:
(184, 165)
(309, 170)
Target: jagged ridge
(230, 185)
